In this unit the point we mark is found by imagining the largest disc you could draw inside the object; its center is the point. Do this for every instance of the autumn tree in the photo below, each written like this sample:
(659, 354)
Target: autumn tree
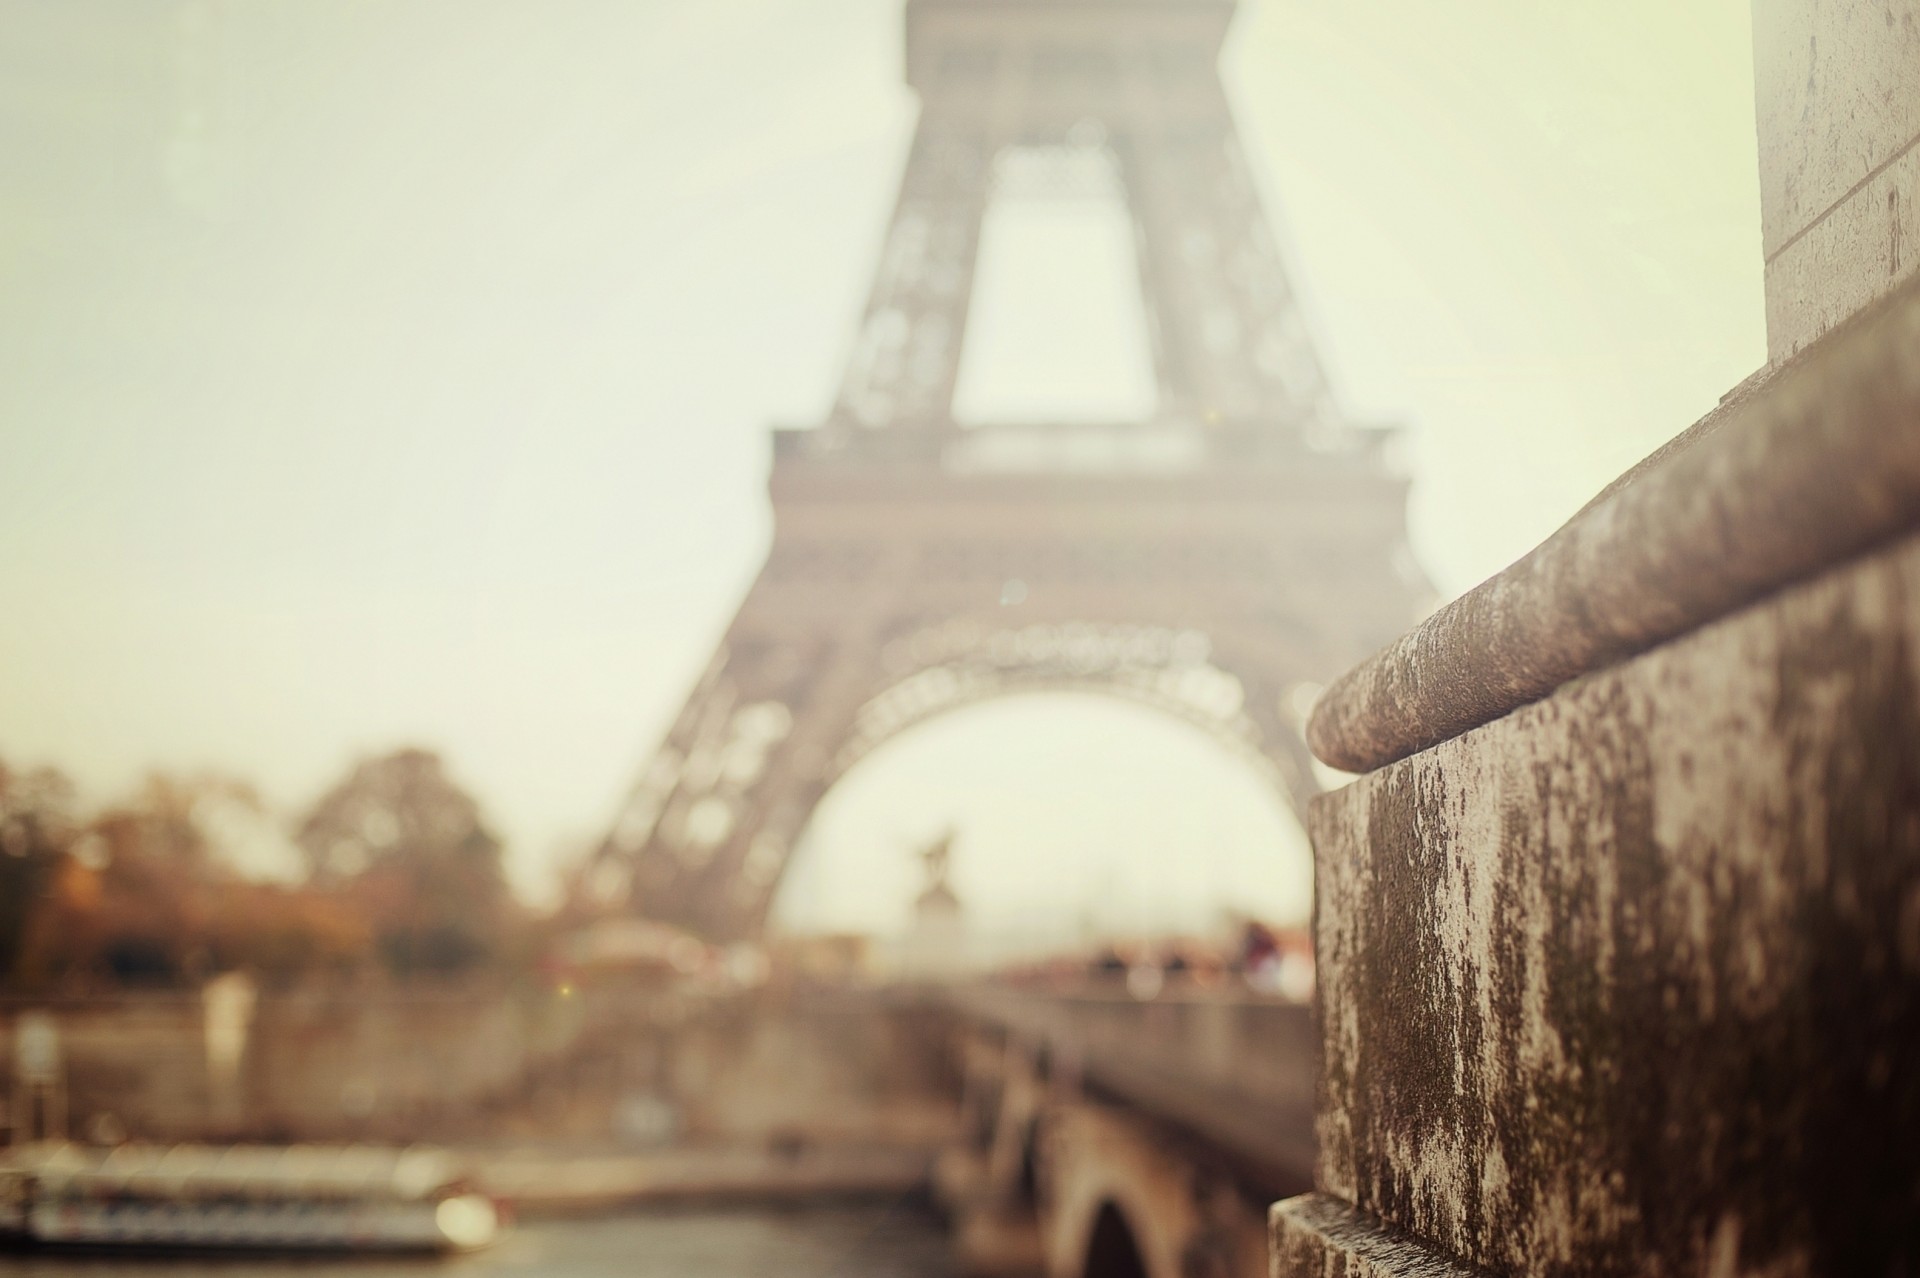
(149, 891)
(163, 877)
(37, 830)
(409, 847)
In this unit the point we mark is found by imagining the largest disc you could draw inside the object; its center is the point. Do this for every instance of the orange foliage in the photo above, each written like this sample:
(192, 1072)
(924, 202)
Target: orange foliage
(144, 893)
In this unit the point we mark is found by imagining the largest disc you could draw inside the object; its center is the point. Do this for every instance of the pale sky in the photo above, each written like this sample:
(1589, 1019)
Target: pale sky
(399, 372)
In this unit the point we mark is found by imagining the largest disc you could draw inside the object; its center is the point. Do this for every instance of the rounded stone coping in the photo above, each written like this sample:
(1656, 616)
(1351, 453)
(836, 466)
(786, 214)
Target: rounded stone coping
(1813, 467)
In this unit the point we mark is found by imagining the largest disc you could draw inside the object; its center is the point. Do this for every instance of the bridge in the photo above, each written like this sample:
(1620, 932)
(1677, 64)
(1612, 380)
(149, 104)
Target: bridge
(1105, 1135)
(1062, 1130)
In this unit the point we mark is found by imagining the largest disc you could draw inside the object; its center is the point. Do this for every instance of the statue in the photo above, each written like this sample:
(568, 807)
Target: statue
(935, 945)
(938, 896)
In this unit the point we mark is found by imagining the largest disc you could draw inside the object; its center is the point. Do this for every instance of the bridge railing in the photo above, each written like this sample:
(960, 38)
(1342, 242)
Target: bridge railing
(1236, 1070)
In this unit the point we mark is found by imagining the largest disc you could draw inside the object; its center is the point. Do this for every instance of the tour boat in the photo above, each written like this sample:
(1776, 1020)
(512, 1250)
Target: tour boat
(285, 1198)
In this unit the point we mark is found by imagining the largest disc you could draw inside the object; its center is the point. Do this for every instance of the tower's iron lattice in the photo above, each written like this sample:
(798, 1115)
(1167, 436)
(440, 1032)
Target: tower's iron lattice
(1217, 560)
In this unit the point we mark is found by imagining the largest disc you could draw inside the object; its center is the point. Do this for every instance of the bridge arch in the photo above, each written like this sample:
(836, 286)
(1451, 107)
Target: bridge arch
(1111, 1249)
(1122, 1205)
(1122, 1189)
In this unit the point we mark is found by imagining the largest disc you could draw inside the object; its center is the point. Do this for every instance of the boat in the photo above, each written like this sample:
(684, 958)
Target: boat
(243, 1197)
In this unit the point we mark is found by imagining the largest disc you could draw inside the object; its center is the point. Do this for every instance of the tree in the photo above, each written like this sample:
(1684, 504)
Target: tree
(167, 886)
(37, 830)
(148, 891)
(409, 847)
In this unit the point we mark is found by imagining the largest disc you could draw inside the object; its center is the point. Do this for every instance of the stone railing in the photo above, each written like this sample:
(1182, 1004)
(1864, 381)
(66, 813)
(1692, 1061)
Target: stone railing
(1236, 1071)
(1619, 933)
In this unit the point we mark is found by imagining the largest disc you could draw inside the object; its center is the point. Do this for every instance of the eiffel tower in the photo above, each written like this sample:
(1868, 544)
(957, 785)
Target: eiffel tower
(1217, 560)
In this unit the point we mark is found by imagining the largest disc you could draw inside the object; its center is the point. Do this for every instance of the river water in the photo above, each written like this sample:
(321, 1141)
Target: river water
(820, 1241)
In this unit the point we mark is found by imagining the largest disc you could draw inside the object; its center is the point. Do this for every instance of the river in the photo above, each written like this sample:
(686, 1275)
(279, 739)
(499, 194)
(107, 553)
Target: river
(820, 1241)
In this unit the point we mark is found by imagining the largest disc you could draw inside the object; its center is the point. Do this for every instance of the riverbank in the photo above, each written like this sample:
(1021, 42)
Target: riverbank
(556, 1180)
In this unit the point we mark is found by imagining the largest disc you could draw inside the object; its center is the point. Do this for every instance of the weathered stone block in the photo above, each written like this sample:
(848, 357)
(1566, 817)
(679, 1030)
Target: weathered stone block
(1837, 96)
(1838, 108)
(1315, 1236)
(1813, 467)
(1864, 247)
(1628, 981)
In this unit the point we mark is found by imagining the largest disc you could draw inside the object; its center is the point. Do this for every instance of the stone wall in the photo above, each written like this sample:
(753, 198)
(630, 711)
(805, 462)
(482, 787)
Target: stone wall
(817, 1068)
(1629, 981)
(594, 1067)
(141, 1060)
(399, 1066)
(314, 1066)
(1619, 935)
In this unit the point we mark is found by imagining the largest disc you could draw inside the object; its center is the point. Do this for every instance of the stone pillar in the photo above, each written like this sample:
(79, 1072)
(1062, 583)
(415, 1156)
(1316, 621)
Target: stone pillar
(1619, 933)
(1619, 929)
(1837, 85)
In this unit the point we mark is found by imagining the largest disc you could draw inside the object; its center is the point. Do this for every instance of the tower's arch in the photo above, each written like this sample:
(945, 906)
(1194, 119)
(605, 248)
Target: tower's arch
(964, 662)
(780, 718)
(1075, 807)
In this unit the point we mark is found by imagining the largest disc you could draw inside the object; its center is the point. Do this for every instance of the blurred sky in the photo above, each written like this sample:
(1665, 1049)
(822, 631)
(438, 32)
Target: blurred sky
(390, 371)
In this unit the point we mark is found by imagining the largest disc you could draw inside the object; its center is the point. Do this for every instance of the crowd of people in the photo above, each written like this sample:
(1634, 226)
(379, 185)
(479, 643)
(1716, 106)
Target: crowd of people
(1256, 959)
